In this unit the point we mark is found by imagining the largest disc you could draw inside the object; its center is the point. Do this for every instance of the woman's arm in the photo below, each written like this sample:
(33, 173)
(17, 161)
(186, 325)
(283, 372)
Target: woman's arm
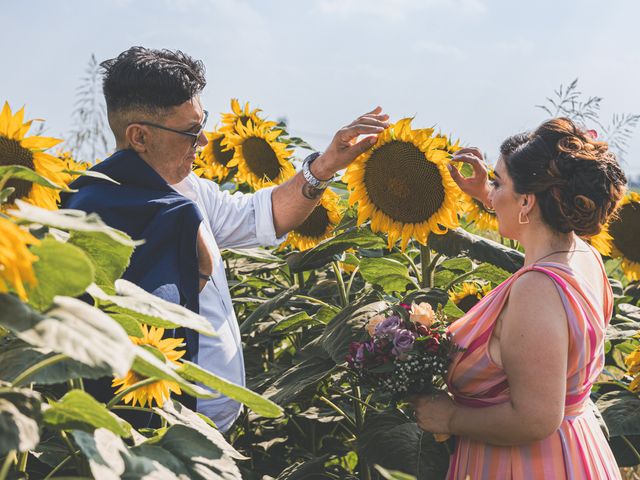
(534, 343)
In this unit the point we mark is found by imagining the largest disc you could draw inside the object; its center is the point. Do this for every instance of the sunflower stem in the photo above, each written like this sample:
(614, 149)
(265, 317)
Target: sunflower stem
(60, 465)
(8, 460)
(425, 264)
(135, 386)
(363, 467)
(339, 411)
(413, 265)
(631, 447)
(315, 300)
(128, 407)
(47, 362)
(341, 288)
(353, 274)
(300, 276)
(458, 279)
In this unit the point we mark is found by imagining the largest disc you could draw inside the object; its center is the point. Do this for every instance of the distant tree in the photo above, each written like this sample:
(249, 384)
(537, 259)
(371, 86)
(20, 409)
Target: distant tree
(570, 102)
(88, 138)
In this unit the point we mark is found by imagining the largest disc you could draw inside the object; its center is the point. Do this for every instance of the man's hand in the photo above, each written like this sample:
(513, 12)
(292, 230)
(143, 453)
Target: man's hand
(345, 148)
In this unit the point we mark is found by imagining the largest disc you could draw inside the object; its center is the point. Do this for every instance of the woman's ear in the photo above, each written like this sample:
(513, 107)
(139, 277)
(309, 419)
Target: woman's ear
(136, 137)
(527, 202)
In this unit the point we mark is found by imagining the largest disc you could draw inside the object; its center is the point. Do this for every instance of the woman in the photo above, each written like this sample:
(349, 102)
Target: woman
(534, 345)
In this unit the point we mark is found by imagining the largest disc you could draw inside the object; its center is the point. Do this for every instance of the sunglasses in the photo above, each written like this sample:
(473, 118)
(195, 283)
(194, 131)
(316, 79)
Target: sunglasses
(194, 135)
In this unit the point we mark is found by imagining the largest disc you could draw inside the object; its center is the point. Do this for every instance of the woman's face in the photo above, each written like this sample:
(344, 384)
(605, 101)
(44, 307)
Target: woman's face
(505, 201)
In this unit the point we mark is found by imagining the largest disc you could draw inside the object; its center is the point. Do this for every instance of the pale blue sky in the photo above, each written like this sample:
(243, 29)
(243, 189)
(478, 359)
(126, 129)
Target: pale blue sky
(475, 68)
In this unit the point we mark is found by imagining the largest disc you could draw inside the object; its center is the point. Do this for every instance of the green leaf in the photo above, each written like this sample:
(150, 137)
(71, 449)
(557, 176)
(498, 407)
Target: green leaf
(293, 322)
(254, 401)
(619, 331)
(147, 365)
(326, 251)
(105, 451)
(147, 308)
(392, 441)
(491, 273)
(452, 311)
(298, 379)
(25, 173)
(79, 410)
(19, 419)
(61, 269)
(620, 410)
(68, 220)
(348, 326)
(110, 258)
(73, 328)
(177, 414)
(393, 474)
(21, 356)
(93, 174)
(391, 275)
(203, 458)
(459, 264)
(460, 242)
(266, 308)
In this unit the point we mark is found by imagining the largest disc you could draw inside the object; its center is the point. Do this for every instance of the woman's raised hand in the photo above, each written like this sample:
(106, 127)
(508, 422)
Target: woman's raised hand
(477, 185)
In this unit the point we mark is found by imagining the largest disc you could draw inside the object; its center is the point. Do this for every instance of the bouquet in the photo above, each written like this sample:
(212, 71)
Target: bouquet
(408, 352)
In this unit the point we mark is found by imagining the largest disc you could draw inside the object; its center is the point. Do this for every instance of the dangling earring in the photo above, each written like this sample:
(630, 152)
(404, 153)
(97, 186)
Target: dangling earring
(523, 222)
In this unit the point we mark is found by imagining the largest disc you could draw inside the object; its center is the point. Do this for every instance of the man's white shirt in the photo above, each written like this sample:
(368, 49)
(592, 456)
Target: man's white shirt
(230, 221)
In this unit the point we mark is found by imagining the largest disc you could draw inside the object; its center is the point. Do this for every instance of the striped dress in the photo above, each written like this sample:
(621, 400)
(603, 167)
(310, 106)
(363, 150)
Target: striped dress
(578, 449)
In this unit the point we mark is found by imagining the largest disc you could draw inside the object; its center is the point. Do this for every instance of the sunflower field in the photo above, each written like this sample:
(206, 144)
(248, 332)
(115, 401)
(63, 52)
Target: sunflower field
(395, 229)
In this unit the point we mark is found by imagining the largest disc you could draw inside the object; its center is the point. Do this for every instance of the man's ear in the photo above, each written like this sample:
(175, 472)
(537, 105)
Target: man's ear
(136, 137)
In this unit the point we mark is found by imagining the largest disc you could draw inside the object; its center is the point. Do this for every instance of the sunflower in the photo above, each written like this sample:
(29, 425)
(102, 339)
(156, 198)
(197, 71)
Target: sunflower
(404, 186)
(478, 214)
(16, 149)
(319, 225)
(260, 158)
(620, 238)
(242, 115)
(15, 258)
(69, 163)
(212, 161)
(160, 390)
(633, 368)
(468, 294)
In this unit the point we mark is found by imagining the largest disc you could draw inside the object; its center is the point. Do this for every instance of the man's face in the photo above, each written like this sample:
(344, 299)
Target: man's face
(172, 154)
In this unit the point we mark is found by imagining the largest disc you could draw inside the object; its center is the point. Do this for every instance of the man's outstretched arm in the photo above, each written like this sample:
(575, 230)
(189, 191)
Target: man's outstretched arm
(294, 200)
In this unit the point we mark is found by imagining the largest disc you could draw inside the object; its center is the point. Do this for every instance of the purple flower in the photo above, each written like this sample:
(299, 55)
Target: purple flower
(388, 326)
(402, 342)
(365, 347)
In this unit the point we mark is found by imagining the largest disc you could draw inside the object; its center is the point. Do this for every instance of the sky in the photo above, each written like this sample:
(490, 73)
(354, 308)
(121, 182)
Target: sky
(473, 68)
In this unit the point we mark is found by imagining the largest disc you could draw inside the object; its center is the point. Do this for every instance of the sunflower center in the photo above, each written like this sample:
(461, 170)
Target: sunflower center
(221, 156)
(12, 153)
(467, 303)
(261, 158)
(316, 224)
(626, 230)
(402, 183)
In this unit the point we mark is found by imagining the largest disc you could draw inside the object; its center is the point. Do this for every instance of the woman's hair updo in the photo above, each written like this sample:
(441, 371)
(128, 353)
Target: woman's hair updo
(575, 178)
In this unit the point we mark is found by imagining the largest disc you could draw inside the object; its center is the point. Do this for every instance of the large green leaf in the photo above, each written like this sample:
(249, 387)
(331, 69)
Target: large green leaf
(266, 308)
(391, 275)
(327, 250)
(392, 441)
(348, 326)
(620, 410)
(105, 451)
(20, 356)
(203, 458)
(68, 220)
(147, 365)
(20, 172)
(299, 379)
(294, 322)
(134, 301)
(73, 328)
(19, 419)
(255, 402)
(61, 269)
(109, 257)
(177, 414)
(491, 273)
(79, 410)
(459, 241)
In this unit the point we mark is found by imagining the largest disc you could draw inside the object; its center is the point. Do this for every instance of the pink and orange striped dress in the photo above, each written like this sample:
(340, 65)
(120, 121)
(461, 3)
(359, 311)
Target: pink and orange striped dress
(578, 449)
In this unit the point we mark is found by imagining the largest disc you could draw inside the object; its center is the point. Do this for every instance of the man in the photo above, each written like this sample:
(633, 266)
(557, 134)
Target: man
(155, 112)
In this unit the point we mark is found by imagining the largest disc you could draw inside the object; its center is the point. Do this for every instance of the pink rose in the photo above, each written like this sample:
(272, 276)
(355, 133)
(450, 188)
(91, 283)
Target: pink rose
(422, 313)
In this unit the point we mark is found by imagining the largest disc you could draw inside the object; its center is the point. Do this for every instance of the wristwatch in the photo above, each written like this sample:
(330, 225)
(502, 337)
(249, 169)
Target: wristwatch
(310, 177)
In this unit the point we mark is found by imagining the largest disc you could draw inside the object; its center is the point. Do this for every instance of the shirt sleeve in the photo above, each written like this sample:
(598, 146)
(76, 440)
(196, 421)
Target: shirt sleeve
(240, 220)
